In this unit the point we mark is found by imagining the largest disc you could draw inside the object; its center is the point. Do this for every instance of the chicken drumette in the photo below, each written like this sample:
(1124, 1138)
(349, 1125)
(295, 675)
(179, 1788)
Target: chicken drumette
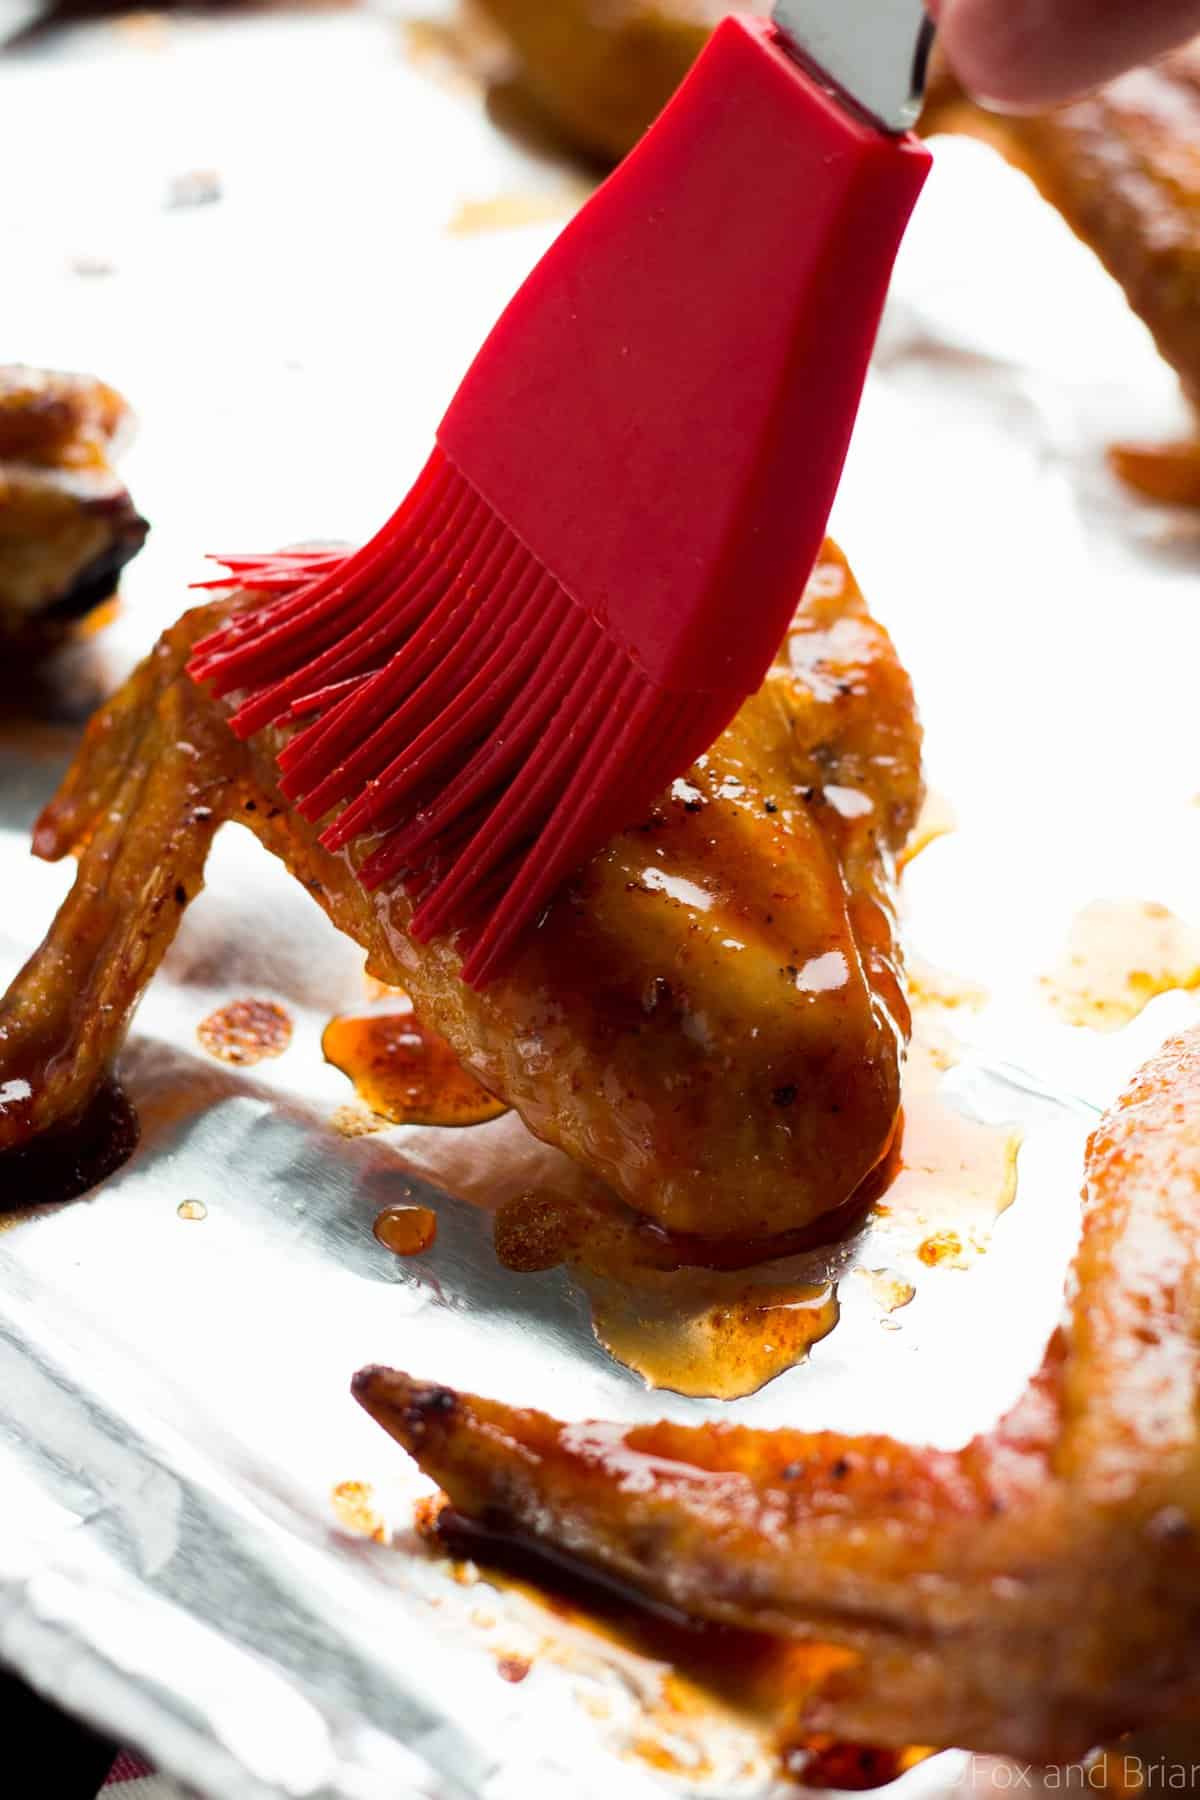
(710, 1017)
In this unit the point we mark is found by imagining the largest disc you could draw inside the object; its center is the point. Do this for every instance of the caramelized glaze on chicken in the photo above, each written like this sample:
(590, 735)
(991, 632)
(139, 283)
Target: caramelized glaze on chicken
(67, 523)
(1034, 1593)
(710, 1017)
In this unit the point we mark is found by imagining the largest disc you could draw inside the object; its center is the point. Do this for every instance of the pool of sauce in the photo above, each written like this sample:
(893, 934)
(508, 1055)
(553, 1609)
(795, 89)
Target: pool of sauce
(405, 1072)
(64, 1164)
(704, 1332)
(1118, 956)
(711, 1336)
(246, 1032)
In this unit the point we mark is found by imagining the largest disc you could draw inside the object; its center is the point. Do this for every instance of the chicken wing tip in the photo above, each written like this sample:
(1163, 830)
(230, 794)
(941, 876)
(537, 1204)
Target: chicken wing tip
(408, 1410)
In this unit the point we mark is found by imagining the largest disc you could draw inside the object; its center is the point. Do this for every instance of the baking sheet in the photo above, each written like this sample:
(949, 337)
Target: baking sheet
(173, 1399)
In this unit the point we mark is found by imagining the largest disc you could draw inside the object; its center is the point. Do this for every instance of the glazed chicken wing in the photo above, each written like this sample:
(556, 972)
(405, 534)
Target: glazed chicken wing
(710, 1017)
(67, 523)
(1034, 1594)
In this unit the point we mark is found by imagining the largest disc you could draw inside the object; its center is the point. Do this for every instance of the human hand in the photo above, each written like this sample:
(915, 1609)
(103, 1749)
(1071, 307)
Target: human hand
(1023, 55)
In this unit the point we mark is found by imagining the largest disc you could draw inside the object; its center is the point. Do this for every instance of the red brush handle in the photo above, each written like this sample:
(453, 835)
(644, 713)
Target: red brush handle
(663, 411)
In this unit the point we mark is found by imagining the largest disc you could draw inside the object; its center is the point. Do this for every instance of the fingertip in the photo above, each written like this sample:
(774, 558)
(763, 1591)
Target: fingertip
(999, 54)
(1026, 55)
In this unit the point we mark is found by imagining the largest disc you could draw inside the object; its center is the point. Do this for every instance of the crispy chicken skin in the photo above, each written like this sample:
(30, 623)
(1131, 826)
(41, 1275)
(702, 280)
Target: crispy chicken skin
(1032, 1594)
(67, 523)
(710, 1017)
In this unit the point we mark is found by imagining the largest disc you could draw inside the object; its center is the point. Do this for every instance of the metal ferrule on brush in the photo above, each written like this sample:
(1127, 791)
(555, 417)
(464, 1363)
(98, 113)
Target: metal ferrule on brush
(875, 52)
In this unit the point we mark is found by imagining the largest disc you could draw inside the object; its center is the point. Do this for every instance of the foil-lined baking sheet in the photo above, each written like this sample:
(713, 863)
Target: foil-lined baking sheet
(174, 1407)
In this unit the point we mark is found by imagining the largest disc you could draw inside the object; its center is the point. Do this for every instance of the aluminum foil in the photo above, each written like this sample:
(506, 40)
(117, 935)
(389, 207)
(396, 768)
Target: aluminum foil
(282, 235)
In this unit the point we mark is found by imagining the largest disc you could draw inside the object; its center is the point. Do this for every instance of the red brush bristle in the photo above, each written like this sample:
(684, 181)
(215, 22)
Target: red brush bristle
(490, 712)
(455, 702)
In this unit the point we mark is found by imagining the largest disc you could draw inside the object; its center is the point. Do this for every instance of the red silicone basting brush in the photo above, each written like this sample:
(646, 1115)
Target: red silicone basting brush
(628, 492)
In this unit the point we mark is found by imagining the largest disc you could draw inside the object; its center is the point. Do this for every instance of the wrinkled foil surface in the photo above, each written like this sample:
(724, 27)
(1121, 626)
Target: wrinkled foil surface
(174, 1406)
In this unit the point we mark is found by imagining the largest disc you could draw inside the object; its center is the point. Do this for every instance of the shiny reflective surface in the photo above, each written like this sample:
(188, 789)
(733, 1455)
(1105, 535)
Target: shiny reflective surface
(173, 1562)
(874, 50)
(708, 1336)
(404, 1072)
(246, 1032)
(406, 1230)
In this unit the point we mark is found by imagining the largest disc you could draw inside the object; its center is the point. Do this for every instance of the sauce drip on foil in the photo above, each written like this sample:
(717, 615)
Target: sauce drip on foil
(708, 1333)
(406, 1230)
(1118, 955)
(246, 1032)
(405, 1072)
(711, 1335)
